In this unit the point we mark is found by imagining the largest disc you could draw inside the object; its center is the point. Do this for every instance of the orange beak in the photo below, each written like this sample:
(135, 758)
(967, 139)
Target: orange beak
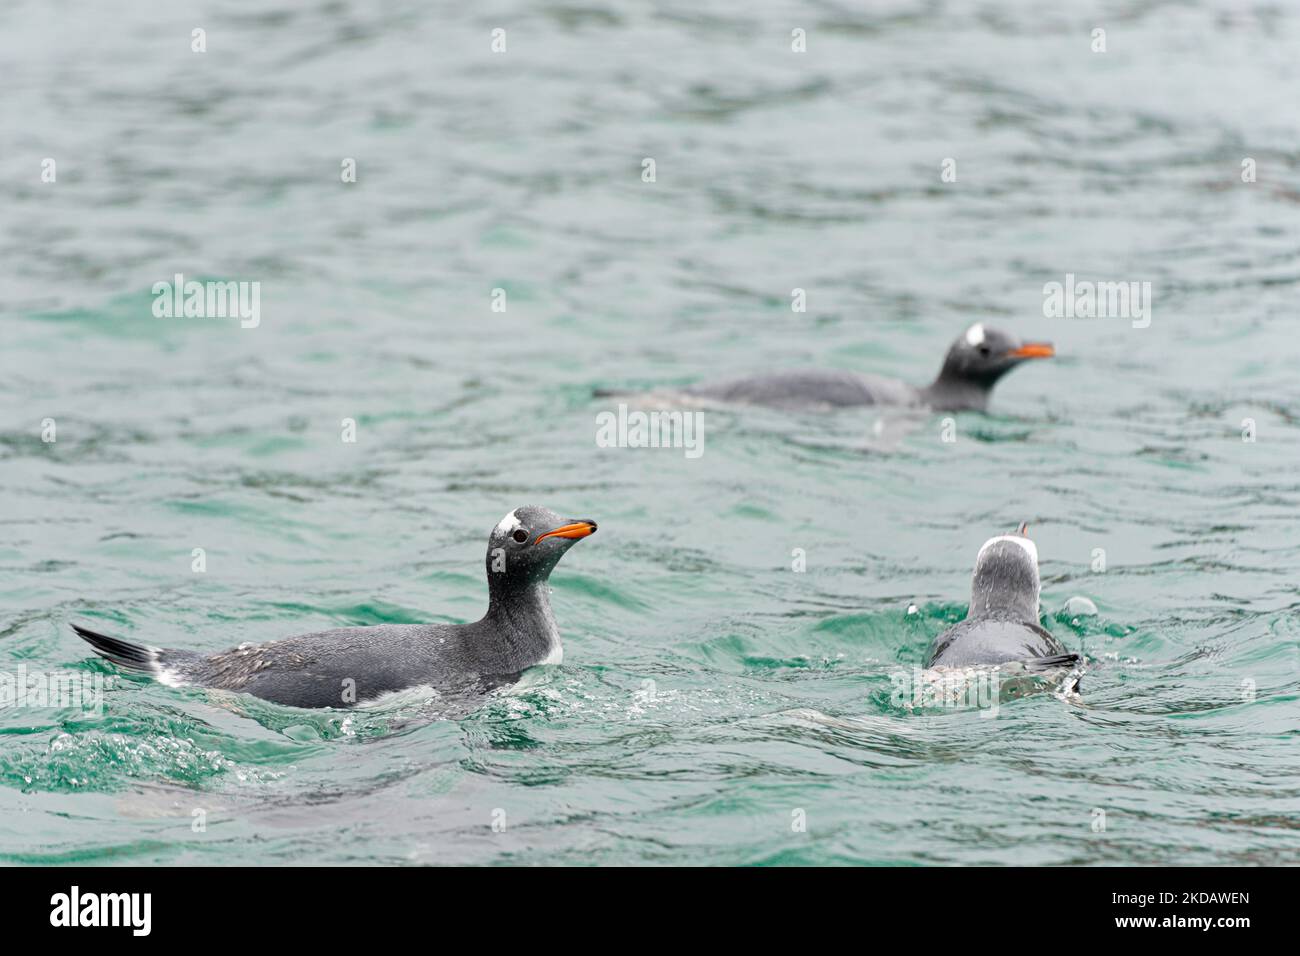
(579, 529)
(1033, 350)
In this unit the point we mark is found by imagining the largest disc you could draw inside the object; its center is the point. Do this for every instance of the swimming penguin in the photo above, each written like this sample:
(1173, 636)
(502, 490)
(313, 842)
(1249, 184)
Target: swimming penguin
(972, 367)
(348, 665)
(1002, 623)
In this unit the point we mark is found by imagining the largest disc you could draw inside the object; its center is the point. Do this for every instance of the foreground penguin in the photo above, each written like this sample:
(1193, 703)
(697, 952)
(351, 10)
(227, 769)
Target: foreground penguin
(972, 367)
(1002, 623)
(348, 665)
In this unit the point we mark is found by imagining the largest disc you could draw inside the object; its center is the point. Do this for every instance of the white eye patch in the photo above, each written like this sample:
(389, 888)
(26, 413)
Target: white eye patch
(508, 524)
(975, 335)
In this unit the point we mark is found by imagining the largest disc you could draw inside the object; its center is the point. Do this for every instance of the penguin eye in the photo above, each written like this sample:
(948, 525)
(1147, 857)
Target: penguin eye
(520, 535)
(985, 351)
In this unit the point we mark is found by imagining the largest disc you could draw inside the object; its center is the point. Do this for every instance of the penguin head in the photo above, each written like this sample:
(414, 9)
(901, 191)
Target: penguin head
(1006, 579)
(528, 542)
(982, 355)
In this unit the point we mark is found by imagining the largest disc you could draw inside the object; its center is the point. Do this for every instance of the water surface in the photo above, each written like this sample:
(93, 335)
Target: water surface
(708, 693)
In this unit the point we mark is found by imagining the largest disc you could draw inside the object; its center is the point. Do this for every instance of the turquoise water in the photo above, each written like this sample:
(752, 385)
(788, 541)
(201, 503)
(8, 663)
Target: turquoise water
(709, 693)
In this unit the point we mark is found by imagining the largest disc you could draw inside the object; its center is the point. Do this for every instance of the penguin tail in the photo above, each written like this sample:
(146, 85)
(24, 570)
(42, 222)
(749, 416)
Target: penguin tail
(1052, 662)
(132, 657)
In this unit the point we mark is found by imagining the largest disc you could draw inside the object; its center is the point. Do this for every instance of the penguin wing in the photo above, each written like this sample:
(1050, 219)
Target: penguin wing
(339, 667)
(809, 389)
(978, 641)
(334, 668)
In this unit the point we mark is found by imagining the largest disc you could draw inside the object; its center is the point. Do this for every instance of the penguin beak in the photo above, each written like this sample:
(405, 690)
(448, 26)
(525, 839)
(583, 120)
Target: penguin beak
(578, 529)
(1031, 350)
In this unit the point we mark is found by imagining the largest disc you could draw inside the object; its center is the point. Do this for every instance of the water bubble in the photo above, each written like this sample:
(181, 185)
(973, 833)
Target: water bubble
(1079, 605)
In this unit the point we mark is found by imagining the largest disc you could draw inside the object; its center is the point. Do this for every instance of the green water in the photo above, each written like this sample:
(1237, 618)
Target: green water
(710, 697)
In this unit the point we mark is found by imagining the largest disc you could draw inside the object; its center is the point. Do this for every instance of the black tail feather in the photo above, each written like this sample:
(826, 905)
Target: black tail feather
(1054, 660)
(135, 657)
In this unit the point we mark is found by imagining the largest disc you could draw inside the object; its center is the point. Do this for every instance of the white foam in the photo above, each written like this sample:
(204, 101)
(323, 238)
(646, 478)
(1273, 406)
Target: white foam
(169, 677)
(975, 335)
(414, 695)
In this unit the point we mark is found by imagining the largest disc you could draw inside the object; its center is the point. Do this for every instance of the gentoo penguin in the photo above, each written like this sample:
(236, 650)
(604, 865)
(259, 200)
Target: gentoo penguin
(971, 368)
(1002, 623)
(349, 665)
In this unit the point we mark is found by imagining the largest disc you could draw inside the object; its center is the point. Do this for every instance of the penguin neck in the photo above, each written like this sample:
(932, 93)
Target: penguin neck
(987, 600)
(953, 393)
(521, 615)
